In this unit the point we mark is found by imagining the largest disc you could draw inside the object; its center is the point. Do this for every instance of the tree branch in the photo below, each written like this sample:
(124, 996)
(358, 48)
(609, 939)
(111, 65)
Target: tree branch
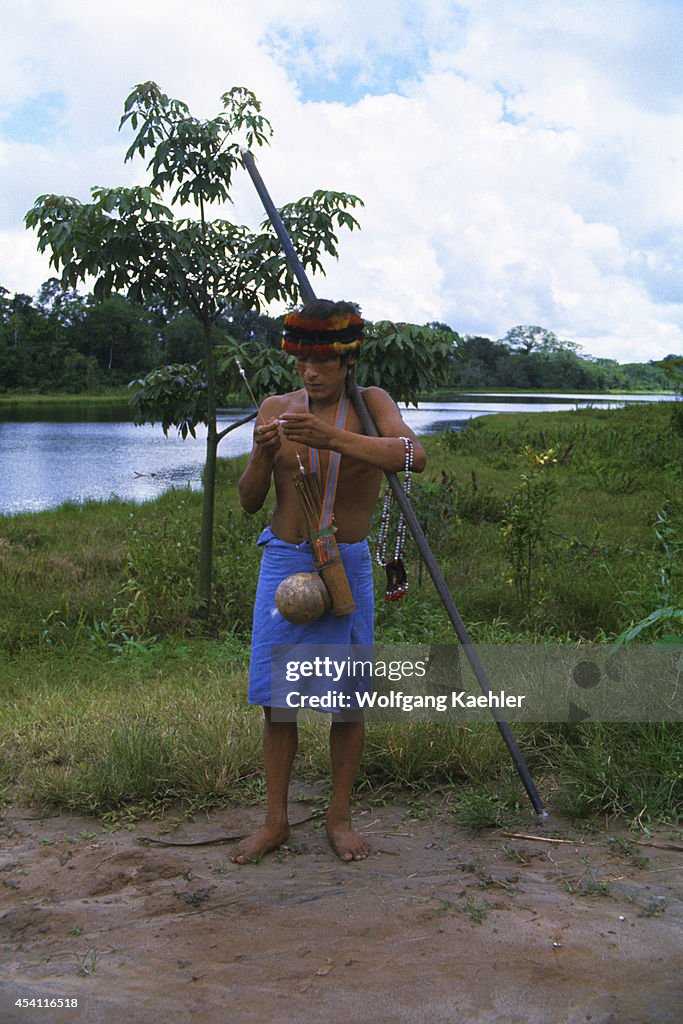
(239, 423)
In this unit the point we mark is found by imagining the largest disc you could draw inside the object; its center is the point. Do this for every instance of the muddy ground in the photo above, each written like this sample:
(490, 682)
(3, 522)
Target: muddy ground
(439, 925)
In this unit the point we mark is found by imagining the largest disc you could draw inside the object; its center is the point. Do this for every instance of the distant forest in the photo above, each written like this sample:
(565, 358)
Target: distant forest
(62, 341)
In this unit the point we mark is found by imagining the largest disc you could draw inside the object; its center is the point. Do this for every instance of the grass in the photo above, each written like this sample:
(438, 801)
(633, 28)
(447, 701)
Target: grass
(597, 564)
(96, 734)
(32, 399)
(476, 909)
(115, 701)
(59, 570)
(104, 400)
(110, 404)
(107, 572)
(151, 727)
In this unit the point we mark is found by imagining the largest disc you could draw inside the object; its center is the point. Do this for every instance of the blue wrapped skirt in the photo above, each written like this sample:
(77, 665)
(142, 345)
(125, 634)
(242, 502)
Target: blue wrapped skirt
(282, 559)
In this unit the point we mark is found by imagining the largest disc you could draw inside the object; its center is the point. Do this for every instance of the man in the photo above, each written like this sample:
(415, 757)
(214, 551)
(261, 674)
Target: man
(324, 338)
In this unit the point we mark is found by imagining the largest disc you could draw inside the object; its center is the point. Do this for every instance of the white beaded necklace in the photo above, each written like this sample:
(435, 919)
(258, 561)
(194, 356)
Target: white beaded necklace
(397, 577)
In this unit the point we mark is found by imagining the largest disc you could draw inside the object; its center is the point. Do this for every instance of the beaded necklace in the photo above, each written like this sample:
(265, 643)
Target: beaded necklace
(397, 577)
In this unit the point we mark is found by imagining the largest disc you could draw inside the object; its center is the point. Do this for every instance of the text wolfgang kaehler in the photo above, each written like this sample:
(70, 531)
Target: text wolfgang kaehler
(346, 673)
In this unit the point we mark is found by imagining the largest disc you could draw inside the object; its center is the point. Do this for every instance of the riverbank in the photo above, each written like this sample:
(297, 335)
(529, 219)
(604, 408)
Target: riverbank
(61, 453)
(593, 568)
(119, 395)
(610, 393)
(27, 399)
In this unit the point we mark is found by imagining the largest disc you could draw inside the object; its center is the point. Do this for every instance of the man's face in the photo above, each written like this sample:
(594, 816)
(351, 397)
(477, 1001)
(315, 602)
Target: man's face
(322, 377)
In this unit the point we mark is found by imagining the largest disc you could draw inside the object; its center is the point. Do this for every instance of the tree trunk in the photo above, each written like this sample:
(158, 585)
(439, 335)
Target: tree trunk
(209, 498)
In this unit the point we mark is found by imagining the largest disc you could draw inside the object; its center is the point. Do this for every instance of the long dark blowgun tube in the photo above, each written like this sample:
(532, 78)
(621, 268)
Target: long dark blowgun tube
(402, 501)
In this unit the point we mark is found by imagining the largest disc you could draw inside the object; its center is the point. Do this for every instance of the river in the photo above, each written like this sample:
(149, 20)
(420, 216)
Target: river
(46, 462)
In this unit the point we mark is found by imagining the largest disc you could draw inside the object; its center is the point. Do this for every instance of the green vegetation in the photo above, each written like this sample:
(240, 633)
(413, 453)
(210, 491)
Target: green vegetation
(541, 545)
(532, 357)
(62, 341)
(31, 402)
(112, 699)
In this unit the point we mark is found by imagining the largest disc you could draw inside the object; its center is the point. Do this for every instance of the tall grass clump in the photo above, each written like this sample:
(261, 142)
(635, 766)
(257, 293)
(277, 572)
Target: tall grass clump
(158, 595)
(59, 572)
(98, 734)
(631, 770)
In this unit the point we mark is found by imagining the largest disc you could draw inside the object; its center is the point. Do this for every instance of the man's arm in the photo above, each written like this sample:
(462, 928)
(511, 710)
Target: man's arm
(387, 452)
(254, 483)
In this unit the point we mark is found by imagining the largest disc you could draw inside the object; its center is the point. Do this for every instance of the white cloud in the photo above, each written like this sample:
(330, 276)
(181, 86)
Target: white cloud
(22, 268)
(519, 162)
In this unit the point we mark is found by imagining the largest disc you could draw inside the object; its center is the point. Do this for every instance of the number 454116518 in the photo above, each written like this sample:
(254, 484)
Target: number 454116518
(45, 1003)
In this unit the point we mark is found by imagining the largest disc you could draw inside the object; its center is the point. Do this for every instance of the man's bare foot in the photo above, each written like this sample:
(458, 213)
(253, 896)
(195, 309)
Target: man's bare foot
(267, 838)
(346, 842)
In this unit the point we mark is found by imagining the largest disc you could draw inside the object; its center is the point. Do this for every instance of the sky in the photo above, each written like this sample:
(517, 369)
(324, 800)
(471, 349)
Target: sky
(520, 162)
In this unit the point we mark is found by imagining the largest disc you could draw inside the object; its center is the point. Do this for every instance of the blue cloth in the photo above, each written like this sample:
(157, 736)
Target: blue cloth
(282, 559)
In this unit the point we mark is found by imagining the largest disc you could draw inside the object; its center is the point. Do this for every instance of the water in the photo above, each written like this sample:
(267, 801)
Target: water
(44, 463)
(454, 413)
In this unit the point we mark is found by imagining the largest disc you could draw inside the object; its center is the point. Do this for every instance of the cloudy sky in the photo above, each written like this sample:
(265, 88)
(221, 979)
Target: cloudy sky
(520, 162)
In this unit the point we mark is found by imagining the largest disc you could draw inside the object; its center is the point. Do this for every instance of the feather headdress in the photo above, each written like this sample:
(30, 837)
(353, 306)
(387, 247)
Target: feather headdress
(336, 335)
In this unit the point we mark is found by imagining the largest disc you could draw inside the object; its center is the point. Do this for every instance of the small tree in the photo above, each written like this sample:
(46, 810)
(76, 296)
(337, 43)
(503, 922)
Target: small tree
(132, 240)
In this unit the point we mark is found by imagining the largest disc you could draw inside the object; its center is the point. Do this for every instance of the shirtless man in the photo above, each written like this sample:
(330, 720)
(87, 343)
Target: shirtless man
(324, 339)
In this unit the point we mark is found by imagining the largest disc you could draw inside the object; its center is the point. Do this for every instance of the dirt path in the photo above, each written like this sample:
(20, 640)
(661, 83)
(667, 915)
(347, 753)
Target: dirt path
(439, 925)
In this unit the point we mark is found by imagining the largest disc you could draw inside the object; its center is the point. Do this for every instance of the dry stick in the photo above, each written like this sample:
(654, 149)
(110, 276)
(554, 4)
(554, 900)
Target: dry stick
(661, 846)
(401, 499)
(216, 839)
(543, 839)
(368, 832)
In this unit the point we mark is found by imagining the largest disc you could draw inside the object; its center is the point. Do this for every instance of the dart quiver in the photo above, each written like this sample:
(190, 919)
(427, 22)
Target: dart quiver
(333, 575)
(318, 505)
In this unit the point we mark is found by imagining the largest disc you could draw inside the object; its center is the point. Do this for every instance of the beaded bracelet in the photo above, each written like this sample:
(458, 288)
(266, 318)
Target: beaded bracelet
(397, 577)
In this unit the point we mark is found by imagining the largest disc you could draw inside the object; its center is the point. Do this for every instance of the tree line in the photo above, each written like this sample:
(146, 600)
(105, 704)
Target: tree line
(64, 341)
(535, 358)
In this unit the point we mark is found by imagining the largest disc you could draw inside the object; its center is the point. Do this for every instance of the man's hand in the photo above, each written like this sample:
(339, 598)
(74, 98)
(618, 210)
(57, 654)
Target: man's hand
(267, 437)
(254, 483)
(305, 428)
